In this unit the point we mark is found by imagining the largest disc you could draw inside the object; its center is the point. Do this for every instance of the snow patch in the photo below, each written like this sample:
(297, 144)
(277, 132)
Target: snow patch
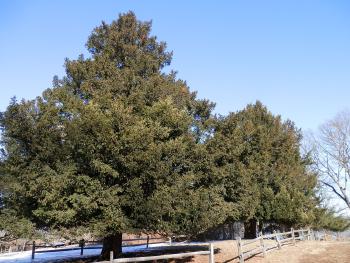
(26, 256)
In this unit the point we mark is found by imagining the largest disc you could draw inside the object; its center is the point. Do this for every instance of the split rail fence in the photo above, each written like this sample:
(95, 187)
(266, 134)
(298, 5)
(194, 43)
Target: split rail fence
(246, 248)
(83, 245)
(261, 245)
(209, 252)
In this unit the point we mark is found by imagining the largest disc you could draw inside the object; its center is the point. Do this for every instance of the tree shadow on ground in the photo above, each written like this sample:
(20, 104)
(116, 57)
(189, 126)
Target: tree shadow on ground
(150, 252)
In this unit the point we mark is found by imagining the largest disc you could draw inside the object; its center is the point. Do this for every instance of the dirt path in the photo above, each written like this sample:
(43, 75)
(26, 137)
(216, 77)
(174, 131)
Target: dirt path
(302, 252)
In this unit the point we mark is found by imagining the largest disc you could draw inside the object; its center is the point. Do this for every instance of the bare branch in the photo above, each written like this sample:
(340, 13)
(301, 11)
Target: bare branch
(331, 155)
(334, 190)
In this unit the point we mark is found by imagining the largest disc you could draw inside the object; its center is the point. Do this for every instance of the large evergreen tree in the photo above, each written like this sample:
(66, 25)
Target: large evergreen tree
(115, 146)
(258, 160)
(118, 145)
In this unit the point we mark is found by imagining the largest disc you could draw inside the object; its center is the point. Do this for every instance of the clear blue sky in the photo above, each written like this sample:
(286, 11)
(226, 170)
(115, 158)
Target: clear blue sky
(294, 56)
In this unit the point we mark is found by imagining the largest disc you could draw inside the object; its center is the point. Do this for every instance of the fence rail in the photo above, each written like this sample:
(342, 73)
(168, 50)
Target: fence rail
(261, 247)
(82, 245)
(245, 247)
(209, 252)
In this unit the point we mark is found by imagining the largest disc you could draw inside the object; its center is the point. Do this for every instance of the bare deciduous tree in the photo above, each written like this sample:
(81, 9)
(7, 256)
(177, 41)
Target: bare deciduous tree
(331, 155)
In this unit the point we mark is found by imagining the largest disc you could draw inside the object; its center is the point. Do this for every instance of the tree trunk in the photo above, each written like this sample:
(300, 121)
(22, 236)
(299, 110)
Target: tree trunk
(250, 229)
(112, 243)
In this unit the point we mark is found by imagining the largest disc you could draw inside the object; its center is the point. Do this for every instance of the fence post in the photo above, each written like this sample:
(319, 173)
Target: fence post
(170, 242)
(277, 239)
(33, 250)
(211, 255)
(81, 244)
(262, 245)
(293, 235)
(240, 252)
(111, 256)
(147, 242)
(302, 234)
(311, 234)
(308, 234)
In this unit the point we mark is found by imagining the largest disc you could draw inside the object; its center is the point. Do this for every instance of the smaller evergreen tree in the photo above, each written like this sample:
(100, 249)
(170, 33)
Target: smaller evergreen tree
(264, 176)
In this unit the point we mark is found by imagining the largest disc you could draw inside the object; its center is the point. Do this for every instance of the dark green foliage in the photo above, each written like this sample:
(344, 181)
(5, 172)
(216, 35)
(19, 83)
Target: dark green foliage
(115, 146)
(257, 156)
(15, 227)
(327, 219)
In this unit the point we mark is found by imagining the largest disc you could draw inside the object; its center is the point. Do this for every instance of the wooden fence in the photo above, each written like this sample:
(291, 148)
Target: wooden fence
(83, 245)
(259, 245)
(263, 244)
(209, 252)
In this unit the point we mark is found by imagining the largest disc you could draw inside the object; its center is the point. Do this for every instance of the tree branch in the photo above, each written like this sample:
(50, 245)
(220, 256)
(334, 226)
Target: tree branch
(335, 190)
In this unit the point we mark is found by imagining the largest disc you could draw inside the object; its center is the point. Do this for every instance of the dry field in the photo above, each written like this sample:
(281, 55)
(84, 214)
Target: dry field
(302, 252)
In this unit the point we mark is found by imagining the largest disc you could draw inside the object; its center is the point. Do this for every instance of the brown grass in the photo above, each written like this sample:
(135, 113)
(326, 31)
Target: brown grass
(302, 252)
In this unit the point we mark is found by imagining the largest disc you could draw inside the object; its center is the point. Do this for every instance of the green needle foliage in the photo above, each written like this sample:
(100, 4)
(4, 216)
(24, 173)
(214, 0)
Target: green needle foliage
(328, 219)
(258, 160)
(115, 146)
(118, 145)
